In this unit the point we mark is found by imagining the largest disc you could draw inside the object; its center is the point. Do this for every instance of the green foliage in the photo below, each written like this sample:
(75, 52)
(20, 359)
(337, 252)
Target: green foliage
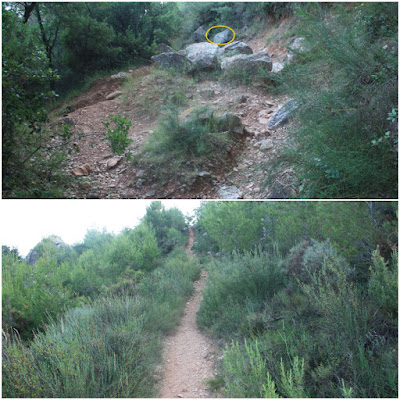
(383, 284)
(31, 294)
(28, 171)
(169, 226)
(184, 146)
(344, 101)
(339, 301)
(322, 323)
(101, 350)
(118, 137)
(292, 381)
(245, 372)
(105, 349)
(237, 290)
(379, 19)
(96, 51)
(136, 249)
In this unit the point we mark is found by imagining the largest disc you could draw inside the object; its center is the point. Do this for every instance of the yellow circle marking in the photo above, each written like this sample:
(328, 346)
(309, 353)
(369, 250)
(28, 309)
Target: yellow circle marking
(220, 26)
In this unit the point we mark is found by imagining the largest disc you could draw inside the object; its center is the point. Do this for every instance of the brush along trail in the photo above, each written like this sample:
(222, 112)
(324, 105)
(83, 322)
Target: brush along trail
(189, 355)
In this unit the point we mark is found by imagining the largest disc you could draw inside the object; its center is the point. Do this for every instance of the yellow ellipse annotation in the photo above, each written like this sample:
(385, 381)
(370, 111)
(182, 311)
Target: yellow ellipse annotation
(220, 26)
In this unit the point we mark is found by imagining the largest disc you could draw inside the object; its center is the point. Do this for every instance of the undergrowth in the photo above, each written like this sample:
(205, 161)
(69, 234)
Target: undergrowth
(344, 144)
(108, 348)
(184, 145)
(314, 331)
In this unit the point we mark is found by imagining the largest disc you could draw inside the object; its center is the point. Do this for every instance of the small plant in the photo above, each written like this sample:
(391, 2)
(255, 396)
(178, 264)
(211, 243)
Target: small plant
(118, 137)
(185, 144)
(293, 380)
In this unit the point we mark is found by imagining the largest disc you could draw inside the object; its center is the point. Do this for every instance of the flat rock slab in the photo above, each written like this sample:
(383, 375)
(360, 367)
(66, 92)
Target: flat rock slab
(282, 114)
(229, 192)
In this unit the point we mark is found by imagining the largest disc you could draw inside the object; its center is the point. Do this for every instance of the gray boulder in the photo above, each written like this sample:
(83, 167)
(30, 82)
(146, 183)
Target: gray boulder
(164, 48)
(234, 48)
(200, 33)
(230, 122)
(223, 37)
(169, 60)
(251, 63)
(32, 257)
(202, 56)
(282, 114)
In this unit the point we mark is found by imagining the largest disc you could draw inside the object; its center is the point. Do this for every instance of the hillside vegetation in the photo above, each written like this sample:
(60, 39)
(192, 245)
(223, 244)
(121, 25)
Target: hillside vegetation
(337, 61)
(88, 321)
(302, 296)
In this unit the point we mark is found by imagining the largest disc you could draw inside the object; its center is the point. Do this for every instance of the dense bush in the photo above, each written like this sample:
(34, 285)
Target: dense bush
(30, 295)
(184, 146)
(65, 277)
(169, 226)
(26, 86)
(320, 323)
(347, 87)
(237, 292)
(107, 348)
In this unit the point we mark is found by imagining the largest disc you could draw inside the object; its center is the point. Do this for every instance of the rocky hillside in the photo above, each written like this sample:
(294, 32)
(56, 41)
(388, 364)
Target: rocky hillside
(260, 118)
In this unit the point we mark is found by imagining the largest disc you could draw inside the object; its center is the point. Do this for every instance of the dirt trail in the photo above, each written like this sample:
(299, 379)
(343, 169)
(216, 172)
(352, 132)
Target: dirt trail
(189, 354)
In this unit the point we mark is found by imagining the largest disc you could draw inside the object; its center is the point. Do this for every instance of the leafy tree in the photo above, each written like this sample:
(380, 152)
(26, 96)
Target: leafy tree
(26, 77)
(169, 226)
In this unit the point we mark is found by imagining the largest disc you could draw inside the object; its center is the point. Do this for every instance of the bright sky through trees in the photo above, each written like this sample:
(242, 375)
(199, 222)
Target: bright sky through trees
(27, 222)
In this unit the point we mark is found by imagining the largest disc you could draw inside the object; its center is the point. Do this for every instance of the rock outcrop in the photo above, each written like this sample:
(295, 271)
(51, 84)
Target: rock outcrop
(170, 59)
(120, 75)
(164, 48)
(32, 257)
(199, 34)
(202, 56)
(234, 48)
(250, 63)
(223, 37)
(229, 192)
(230, 122)
(298, 46)
(282, 114)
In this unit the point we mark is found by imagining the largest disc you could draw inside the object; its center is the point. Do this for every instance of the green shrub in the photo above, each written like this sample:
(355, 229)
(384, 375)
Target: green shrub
(108, 348)
(169, 226)
(383, 284)
(237, 288)
(184, 147)
(31, 294)
(340, 302)
(100, 350)
(246, 374)
(346, 85)
(136, 249)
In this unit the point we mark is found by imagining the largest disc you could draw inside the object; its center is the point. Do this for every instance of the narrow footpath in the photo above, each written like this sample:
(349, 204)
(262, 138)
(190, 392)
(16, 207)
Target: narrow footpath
(189, 357)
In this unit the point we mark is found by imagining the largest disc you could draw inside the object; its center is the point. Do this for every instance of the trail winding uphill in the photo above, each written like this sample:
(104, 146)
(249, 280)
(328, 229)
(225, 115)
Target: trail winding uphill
(189, 357)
